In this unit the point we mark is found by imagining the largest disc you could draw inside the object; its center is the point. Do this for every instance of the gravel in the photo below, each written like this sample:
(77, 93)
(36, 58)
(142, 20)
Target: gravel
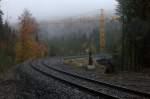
(134, 80)
(37, 86)
(22, 82)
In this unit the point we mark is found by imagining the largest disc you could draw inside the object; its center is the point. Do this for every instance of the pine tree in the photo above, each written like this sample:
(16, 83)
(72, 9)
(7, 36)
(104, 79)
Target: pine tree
(135, 18)
(1, 30)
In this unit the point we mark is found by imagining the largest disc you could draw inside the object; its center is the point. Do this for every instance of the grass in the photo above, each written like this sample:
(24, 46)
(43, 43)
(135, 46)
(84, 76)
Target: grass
(6, 62)
(75, 62)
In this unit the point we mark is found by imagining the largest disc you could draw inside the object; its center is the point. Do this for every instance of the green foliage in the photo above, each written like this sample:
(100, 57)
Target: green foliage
(136, 27)
(1, 26)
(7, 42)
(69, 44)
(79, 42)
(5, 62)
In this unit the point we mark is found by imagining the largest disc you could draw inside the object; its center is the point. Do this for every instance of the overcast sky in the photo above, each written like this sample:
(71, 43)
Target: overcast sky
(54, 9)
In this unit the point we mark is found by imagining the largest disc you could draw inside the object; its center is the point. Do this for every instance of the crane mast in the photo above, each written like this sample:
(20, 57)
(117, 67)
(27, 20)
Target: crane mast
(102, 31)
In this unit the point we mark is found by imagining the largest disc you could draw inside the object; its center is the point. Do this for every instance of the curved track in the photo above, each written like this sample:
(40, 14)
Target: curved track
(86, 84)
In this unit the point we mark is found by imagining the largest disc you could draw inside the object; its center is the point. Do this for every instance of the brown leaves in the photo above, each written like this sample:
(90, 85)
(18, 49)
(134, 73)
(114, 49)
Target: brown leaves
(27, 47)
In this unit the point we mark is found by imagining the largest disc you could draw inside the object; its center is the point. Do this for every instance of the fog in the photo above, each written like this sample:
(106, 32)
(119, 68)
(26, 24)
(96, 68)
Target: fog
(55, 9)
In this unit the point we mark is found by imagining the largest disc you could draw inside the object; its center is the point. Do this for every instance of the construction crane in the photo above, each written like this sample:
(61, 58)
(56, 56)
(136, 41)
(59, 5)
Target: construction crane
(115, 18)
(102, 31)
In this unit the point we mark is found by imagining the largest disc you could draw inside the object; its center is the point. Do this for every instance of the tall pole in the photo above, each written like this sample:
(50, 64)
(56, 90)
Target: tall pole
(123, 44)
(102, 31)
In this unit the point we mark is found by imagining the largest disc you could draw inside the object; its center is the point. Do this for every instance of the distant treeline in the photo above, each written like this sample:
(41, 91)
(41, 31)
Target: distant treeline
(81, 40)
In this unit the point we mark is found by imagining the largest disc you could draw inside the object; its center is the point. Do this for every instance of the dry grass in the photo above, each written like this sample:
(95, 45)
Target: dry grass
(80, 62)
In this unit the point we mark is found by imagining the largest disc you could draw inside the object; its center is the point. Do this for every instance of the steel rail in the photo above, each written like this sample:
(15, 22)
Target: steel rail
(121, 88)
(85, 89)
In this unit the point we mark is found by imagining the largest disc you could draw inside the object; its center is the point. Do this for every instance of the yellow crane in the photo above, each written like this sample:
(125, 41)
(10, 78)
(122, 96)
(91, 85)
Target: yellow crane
(102, 31)
(115, 18)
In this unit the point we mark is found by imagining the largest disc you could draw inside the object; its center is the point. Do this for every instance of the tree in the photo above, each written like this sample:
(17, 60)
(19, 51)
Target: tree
(7, 43)
(1, 30)
(27, 46)
(135, 18)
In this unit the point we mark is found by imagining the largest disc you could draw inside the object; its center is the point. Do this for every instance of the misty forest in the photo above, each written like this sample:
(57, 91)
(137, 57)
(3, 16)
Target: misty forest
(98, 53)
(126, 37)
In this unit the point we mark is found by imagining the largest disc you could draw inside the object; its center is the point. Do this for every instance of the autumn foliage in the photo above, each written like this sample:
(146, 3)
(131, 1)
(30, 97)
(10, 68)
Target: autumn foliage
(27, 45)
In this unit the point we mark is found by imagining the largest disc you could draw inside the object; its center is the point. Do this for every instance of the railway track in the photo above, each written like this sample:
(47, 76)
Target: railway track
(87, 84)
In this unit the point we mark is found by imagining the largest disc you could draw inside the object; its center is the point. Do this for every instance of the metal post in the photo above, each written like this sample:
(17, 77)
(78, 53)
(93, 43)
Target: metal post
(102, 31)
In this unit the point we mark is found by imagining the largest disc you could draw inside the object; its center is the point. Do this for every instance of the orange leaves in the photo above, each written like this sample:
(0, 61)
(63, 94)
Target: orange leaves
(28, 25)
(3, 45)
(43, 50)
(29, 49)
(26, 46)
